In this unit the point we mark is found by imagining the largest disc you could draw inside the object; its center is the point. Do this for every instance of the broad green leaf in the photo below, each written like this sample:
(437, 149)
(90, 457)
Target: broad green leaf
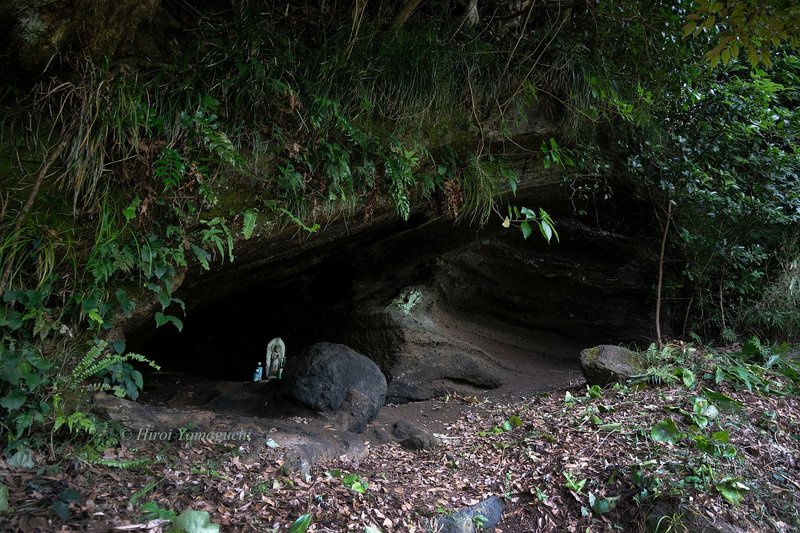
(732, 490)
(301, 524)
(372, 529)
(506, 223)
(721, 436)
(721, 399)
(192, 521)
(602, 505)
(13, 400)
(665, 431)
(614, 426)
(162, 319)
(3, 499)
(10, 319)
(22, 458)
(688, 377)
(61, 509)
(512, 182)
(130, 211)
(547, 231)
(526, 229)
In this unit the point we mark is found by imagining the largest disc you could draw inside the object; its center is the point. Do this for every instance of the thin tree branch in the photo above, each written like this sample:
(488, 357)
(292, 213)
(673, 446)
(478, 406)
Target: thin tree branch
(661, 274)
(402, 16)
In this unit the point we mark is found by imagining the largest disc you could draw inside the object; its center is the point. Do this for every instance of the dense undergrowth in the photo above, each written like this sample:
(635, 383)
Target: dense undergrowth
(119, 176)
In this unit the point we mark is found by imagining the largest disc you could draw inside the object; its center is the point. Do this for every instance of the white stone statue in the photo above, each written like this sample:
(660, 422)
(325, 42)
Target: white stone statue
(276, 359)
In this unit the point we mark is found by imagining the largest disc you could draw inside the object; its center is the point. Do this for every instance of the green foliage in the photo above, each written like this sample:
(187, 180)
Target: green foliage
(512, 423)
(666, 431)
(355, 483)
(4, 507)
(555, 154)
(301, 524)
(602, 505)
(730, 165)
(123, 379)
(744, 26)
(573, 484)
(306, 128)
(152, 511)
(525, 217)
(732, 489)
(191, 521)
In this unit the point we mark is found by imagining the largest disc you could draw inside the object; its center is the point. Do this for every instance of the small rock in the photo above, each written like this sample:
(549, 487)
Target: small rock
(420, 442)
(296, 464)
(486, 514)
(606, 364)
(413, 438)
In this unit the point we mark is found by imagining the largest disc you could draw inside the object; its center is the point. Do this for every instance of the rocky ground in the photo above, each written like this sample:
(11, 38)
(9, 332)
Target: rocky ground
(620, 458)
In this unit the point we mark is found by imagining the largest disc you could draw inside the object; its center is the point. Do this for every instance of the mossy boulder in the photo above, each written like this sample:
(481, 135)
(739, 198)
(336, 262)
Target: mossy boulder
(606, 364)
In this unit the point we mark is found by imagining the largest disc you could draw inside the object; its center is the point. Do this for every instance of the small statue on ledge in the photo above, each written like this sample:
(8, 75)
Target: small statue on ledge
(259, 373)
(276, 359)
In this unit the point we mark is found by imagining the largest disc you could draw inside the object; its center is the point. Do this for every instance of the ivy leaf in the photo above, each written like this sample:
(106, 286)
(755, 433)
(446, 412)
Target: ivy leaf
(602, 505)
(22, 458)
(665, 431)
(192, 521)
(162, 319)
(688, 378)
(13, 400)
(732, 490)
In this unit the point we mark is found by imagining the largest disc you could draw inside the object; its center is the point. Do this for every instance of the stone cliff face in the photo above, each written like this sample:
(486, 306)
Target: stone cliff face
(34, 32)
(439, 306)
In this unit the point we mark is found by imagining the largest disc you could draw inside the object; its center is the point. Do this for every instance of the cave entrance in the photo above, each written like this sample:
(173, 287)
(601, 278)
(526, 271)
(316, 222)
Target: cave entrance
(500, 309)
(226, 338)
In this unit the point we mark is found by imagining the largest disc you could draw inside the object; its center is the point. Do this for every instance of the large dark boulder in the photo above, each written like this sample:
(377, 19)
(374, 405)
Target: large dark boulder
(606, 364)
(334, 378)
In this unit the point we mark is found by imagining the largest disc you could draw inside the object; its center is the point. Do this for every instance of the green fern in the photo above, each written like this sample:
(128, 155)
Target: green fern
(169, 168)
(249, 223)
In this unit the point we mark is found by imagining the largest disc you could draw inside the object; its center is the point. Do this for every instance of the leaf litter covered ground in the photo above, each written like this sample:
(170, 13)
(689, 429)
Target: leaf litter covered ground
(697, 453)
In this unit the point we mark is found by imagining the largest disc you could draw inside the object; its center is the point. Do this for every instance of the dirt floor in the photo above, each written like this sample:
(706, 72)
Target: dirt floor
(586, 463)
